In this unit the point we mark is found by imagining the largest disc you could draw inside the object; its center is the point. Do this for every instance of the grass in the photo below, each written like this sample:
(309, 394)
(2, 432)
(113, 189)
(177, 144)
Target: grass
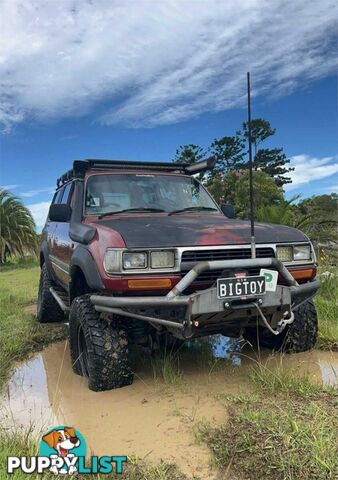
(279, 438)
(282, 380)
(327, 308)
(20, 334)
(187, 417)
(21, 443)
(19, 262)
(166, 368)
(286, 429)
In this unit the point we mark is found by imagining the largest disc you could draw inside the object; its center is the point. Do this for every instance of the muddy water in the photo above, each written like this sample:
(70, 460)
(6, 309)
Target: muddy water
(149, 419)
(321, 366)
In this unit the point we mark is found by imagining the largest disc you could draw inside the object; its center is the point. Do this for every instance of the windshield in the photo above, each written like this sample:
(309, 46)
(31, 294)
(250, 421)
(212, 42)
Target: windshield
(168, 193)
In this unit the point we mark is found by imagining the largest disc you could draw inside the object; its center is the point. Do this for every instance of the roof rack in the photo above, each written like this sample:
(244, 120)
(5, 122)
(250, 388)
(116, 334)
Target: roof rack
(81, 166)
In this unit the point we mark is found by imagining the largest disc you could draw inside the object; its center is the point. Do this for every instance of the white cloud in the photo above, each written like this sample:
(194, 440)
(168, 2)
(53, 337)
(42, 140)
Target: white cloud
(39, 212)
(148, 63)
(309, 169)
(33, 193)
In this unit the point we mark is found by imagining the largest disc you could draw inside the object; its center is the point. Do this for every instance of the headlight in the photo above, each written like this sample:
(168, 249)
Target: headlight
(293, 253)
(284, 253)
(112, 261)
(134, 260)
(302, 252)
(119, 261)
(162, 259)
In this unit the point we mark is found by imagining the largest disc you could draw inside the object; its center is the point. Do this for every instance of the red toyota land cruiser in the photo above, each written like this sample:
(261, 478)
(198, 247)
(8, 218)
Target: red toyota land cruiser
(136, 252)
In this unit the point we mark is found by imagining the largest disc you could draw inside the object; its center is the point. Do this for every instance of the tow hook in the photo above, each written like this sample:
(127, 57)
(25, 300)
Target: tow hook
(281, 324)
(285, 321)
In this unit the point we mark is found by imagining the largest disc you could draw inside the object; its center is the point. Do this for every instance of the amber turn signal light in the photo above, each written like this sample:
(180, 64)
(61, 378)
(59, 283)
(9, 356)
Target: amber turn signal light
(306, 274)
(158, 283)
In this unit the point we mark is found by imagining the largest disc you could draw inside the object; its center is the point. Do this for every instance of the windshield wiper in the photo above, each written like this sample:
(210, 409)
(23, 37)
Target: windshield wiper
(135, 209)
(192, 209)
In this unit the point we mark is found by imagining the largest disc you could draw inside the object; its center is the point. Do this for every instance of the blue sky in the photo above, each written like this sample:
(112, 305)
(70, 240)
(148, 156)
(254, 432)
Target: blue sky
(134, 80)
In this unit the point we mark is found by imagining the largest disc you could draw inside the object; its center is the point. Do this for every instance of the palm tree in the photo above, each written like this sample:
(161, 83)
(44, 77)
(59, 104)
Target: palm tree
(312, 223)
(17, 227)
(284, 213)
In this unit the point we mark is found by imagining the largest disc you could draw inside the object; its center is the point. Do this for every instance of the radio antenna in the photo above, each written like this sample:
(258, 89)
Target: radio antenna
(252, 220)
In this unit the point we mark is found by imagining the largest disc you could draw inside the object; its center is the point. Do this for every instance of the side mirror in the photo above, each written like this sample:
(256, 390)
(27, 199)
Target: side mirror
(59, 212)
(228, 210)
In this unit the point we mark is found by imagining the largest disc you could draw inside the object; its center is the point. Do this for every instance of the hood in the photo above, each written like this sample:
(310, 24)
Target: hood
(201, 230)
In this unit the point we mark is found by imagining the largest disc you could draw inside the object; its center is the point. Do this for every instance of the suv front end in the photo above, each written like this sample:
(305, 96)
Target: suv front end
(189, 304)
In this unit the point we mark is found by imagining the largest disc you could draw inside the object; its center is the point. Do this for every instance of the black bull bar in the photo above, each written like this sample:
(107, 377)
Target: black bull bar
(204, 306)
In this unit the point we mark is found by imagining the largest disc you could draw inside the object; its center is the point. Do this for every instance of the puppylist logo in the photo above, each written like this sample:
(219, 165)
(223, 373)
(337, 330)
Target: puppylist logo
(63, 451)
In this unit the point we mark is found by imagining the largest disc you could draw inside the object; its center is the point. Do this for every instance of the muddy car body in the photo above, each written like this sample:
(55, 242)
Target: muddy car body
(139, 252)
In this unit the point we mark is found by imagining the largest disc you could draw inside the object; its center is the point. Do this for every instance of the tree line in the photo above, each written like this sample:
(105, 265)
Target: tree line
(228, 182)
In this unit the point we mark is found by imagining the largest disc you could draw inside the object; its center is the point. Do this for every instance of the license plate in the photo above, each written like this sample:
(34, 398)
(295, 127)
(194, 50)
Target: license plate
(240, 286)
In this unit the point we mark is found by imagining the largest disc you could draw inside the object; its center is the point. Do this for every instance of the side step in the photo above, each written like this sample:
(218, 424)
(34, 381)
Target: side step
(61, 297)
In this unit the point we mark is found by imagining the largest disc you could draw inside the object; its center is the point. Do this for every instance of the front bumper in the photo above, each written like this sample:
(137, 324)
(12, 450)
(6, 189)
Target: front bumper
(203, 311)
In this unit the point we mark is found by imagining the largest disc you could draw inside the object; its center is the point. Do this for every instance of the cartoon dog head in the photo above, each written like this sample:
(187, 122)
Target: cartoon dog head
(62, 440)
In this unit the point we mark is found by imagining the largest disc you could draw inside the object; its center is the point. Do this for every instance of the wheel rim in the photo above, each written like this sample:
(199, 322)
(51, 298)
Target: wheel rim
(83, 351)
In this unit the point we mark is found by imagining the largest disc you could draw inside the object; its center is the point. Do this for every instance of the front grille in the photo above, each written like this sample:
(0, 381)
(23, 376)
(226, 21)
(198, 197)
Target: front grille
(231, 254)
(191, 257)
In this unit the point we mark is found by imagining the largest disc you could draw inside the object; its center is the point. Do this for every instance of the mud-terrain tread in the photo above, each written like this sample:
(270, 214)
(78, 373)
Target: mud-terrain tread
(298, 337)
(48, 310)
(302, 333)
(107, 347)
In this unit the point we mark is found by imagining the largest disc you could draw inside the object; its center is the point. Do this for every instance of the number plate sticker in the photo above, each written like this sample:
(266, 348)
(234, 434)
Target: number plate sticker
(271, 279)
(240, 286)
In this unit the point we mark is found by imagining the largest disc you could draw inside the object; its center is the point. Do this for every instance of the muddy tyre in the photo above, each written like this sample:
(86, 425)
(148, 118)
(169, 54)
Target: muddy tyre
(48, 309)
(300, 336)
(98, 347)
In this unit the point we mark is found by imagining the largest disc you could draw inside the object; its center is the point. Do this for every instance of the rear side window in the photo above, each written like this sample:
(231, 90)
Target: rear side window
(58, 196)
(63, 195)
(66, 193)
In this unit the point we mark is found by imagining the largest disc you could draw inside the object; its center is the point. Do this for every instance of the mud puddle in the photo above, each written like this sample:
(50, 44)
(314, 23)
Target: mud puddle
(150, 419)
(321, 366)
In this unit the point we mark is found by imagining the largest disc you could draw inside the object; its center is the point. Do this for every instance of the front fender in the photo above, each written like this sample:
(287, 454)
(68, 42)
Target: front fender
(83, 259)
